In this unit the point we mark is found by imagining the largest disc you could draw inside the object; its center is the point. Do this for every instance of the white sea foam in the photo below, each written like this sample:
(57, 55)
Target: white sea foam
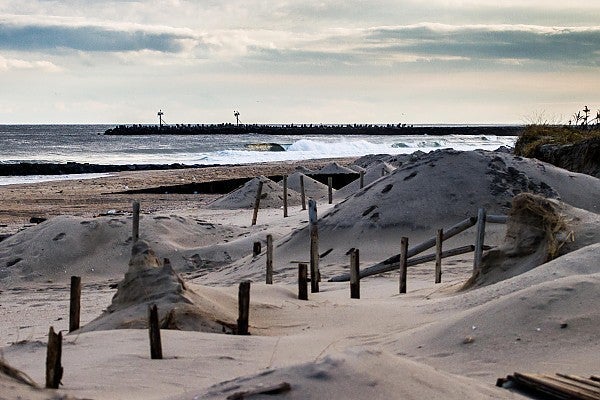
(17, 180)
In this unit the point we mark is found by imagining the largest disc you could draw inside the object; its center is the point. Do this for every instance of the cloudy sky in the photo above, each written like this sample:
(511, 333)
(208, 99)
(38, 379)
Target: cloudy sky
(313, 61)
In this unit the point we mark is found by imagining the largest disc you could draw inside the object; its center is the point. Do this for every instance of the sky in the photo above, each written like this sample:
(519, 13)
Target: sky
(309, 61)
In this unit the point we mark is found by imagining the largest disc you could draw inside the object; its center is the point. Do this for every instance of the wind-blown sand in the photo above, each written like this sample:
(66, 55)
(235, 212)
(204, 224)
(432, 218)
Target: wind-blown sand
(443, 340)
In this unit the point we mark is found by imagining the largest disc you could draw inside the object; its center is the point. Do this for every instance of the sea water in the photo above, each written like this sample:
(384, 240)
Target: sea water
(87, 144)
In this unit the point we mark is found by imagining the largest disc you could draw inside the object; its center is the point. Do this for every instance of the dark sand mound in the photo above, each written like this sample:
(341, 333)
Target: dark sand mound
(375, 171)
(312, 188)
(334, 168)
(245, 196)
(150, 281)
(538, 231)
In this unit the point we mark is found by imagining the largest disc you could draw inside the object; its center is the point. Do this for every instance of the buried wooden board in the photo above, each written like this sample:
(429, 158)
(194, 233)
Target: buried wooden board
(558, 386)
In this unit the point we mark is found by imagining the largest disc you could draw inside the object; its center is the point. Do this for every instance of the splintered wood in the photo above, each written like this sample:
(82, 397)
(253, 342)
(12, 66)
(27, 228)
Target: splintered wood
(558, 386)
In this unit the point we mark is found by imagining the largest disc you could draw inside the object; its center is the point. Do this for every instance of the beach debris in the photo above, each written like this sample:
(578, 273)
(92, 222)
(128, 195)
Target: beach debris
(557, 386)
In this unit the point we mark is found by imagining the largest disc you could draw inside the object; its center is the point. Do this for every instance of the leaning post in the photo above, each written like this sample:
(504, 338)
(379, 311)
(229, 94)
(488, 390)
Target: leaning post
(257, 202)
(314, 246)
(479, 240)
(302, 193)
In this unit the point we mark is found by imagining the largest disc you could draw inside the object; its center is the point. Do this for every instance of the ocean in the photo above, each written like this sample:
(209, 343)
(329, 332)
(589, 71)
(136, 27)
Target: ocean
(87, 144)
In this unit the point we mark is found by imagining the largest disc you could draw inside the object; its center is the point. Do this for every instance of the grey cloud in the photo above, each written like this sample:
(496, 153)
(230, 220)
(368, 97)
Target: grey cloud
(85, 38)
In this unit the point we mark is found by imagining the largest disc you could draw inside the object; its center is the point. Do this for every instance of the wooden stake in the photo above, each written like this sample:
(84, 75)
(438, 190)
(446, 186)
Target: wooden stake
(354, 274)
(302, 281)
(439, 239)
(75, 303)
(54, 369)
(256, 248)
(154, 332)
(243, 308)
(479, 240)
(330, 189)
(302, 193)
(269, 279)
(403, 263)
(314, 246)
(285, 197)
(257, 202)
(135, 232)
(362, 179)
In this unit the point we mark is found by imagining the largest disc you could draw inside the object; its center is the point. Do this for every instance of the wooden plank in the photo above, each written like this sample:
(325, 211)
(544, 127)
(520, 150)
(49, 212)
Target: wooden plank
(496, 219)
(546, 384)
(580, 379)
(575, 385)
(75, 303)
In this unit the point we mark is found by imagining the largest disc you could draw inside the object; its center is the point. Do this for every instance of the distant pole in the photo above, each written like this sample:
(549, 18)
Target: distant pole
(236, 114)
(302, 192)
(54, 369)
(302, 281)
(160, 121)
(439, 239)
(154, 333)
(75, 303)
(135, 233)
(314, 246)
(257, 202)
(330, 189)
(243, 308)
(479, 240)
(354, 274)
(269, 279)
(362, 179)
(285, 197)
(403, 263)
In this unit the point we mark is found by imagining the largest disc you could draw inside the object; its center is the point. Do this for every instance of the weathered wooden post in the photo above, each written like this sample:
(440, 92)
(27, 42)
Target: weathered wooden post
(54, 369)
(314, 246)
(362, 179)
(403, 263)
(479, 240)
(302, 281)
(135, 232)
(154, 333)
(243, 308)
(439, 239)
(330, 189)
(285, 197)
(354, 274)
(75, 303)
(302, 193)
(382, 171)
(256, 248)
(257, 202)
(269, 280)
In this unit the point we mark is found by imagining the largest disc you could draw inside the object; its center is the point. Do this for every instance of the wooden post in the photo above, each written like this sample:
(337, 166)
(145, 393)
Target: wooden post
(257, 202)
(439, 239)
(362, 179)
(269, 279)
(135, 232)
(354, 274)
(302, 281)
(330, 189)
(302, 193)
(285, 197)
(382, 171)
(403, 263)
(256, 249)
(75, 303)
(479, 240)
(154, 333)
(54, 369)
(314, 246)
(243, 308)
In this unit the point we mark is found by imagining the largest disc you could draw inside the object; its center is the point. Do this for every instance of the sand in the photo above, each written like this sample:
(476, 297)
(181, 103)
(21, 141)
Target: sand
(436, 341)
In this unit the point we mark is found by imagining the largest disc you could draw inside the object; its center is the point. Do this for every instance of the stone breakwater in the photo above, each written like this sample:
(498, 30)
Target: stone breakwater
(22, 169)
(310, 129)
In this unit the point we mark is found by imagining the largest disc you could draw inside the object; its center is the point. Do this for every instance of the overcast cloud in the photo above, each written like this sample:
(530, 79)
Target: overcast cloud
(297, 61)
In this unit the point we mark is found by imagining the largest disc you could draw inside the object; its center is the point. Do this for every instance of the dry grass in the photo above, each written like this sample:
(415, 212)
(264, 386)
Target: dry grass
(537, 135)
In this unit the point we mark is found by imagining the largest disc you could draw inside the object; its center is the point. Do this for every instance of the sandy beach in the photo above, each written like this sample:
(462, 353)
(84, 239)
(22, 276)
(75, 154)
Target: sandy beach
(527, 307)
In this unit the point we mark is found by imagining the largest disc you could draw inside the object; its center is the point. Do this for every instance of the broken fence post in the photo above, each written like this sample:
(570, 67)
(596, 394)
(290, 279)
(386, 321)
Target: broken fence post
(403, 263)
(75, 303)
(354, 274)
(302, 281)
(439, 239)
(54, 369)
(302, 193)
(256, 248)
(314, 246)
(135, 230)
(479, 239)
(330, 189)
(257, 202)
(362, 179)
(285, 197)
(243, 308)
(269, 279)
(154, 333)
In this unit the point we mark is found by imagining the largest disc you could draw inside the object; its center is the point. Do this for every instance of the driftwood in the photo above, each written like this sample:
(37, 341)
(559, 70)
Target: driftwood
(558, 386)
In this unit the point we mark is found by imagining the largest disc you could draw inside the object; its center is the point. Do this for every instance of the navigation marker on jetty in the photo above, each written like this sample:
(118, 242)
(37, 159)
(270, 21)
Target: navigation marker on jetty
(236, 114)
(160, 121)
